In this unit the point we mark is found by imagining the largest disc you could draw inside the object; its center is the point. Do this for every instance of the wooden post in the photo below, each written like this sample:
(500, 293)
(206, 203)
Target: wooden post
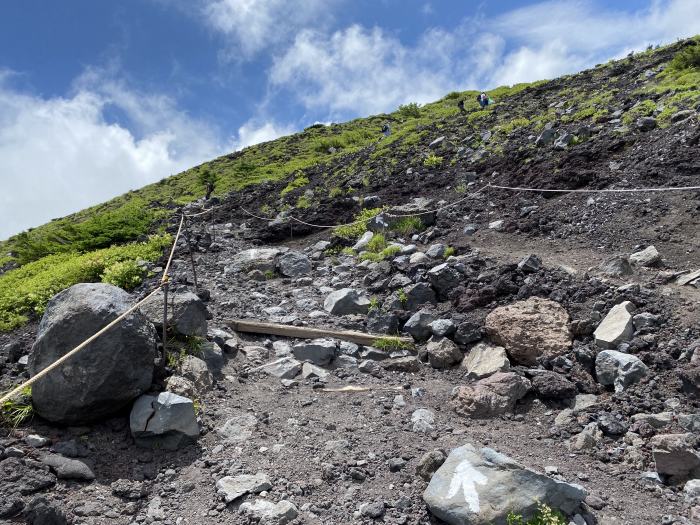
(194, 267)
(303, 332)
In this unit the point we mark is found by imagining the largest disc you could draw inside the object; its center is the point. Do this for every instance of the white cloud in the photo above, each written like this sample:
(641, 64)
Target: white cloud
(359, 70)
(255, 132)
(254, 25)
(59, 155)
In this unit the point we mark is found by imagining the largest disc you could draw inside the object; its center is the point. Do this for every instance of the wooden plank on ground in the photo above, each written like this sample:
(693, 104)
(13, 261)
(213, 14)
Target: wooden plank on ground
(305, 332)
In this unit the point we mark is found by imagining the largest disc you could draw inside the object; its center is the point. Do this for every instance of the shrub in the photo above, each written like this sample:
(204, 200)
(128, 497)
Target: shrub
(643, 109)
(374, 304)
(408, 225)
(449, 252)
(205, 177)
(686, 58)
(26, 290)
(299, 181)
(432, 161)
(377, 243)
(303, 202)
(354, 231)
(14, 412)
(545, 516)
(124, 274)
(410, 110)
(335, 192)
(390, 344)
(403, 298)
(512, 125)
(348, 251)
(376, 257)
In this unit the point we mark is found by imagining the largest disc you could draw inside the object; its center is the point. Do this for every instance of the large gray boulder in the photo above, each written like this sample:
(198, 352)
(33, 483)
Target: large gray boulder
(166, 421)
(346, 301)
(616, 266)
(268, 512)
(617, 327)
(187, 314)
(481, 487)
(618, 369)
(105, 376)
(293, 264)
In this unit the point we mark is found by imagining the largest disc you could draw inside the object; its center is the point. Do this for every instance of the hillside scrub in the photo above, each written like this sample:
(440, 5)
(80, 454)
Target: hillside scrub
(26, 290)
(336, 152)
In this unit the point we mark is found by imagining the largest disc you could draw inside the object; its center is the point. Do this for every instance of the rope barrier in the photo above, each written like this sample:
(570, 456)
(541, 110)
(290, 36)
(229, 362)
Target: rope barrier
(164, 280)
(163, 284)
(172, 251)
(485, 187)
(609, 190)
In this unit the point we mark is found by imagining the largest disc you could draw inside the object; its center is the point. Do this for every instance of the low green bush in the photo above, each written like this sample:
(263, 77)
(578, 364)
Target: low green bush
(299, 181)
(410, 110)
(408, 225)
(16, 411)
(391, 344)
(124, 274)
(432, 161)
(545, 516)
(26, 290)
(354, 231)
(686, 58)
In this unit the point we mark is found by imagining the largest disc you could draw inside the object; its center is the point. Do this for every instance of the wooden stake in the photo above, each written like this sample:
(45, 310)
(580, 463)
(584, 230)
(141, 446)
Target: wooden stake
(304, 332)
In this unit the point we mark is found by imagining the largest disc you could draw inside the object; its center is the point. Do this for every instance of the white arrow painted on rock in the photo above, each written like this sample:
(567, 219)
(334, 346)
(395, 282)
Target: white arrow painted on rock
(466, 478)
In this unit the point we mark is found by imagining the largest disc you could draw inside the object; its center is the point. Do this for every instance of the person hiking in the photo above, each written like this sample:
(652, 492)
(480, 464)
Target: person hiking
(386, 130)
(460, 105)
(483, 100)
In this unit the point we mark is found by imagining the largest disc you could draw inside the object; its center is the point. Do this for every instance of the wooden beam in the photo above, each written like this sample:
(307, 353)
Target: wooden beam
(304, 332)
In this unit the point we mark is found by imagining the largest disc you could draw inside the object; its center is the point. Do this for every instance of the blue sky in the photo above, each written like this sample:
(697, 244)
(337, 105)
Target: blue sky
(97, 98)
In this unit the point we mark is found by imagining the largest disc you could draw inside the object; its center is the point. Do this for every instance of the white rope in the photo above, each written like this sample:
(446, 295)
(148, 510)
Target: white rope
(89, 340)
(610, 190)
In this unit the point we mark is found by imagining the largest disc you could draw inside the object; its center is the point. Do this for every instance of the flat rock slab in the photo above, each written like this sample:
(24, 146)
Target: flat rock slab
(268, 512)
(484, 360)
(165, 421)
(233, 487)
(238, 428)
(67, 468)
(617, 327)
(481, 486)
(284, 368)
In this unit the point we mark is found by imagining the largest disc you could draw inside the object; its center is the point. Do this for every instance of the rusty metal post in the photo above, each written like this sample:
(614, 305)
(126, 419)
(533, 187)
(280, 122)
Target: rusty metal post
(165, 318)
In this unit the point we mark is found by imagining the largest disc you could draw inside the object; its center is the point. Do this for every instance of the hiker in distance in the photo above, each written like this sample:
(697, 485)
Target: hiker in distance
(386, 130)
(460, 105)
(483, 99)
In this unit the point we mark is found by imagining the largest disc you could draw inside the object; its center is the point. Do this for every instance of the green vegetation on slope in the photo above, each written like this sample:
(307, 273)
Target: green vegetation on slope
(58, 254)
(27, 290)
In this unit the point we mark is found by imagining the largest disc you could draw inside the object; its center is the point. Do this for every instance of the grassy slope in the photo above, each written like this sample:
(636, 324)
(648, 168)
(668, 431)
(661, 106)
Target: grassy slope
(49, 254)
